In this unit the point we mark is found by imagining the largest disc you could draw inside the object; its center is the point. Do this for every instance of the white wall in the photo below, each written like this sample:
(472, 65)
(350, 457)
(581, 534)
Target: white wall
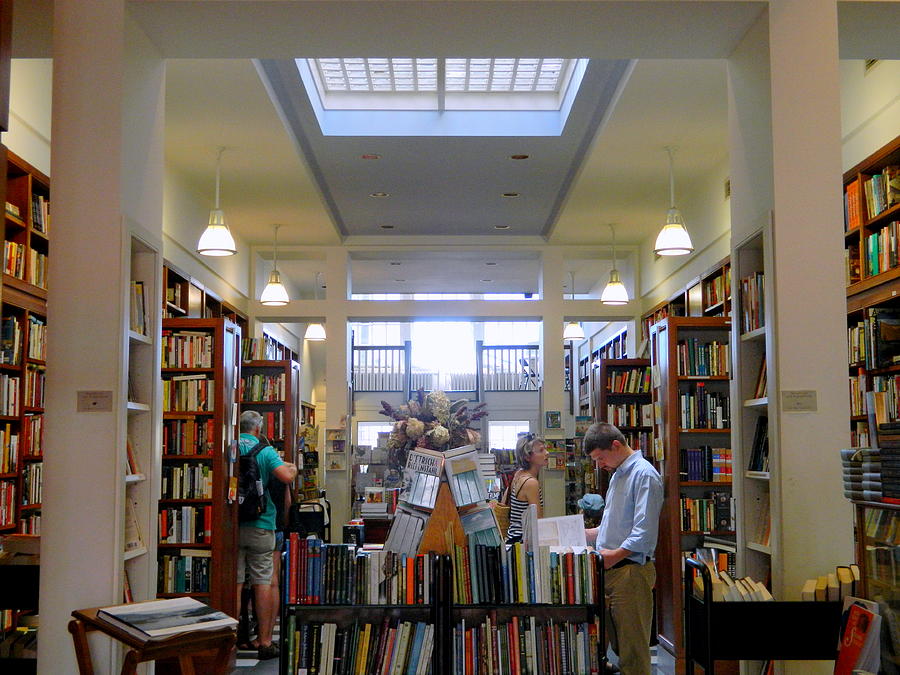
(707, 216)
(870, 108)
(30, 95)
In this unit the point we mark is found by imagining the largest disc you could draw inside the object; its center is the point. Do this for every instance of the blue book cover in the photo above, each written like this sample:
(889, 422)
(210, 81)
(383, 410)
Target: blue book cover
(504, 573)
(531, 579)
(416, 652)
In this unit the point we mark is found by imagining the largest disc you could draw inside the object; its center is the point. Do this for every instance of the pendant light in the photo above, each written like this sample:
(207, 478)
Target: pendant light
(673, 238)
(216, 239)
(315, 332)
(274, 294)
(573, 330)
(615, 292)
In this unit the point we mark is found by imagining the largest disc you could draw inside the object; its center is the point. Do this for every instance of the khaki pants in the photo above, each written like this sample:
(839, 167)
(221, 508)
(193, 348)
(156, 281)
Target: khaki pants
(629, 598)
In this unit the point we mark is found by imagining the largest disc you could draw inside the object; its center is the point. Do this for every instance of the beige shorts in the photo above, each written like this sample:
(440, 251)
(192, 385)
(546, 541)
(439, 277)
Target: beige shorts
(255, 553)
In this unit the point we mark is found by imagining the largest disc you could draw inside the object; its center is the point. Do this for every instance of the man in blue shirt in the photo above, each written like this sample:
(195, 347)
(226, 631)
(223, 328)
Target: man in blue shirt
(626, 539)
(256, 538)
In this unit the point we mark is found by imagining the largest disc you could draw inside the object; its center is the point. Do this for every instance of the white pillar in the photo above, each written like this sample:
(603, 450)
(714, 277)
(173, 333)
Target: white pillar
(553, 397)
(337, 483)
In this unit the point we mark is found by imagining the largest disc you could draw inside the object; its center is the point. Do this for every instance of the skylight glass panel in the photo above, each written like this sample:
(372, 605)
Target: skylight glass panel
(505, 75)
(377, 74)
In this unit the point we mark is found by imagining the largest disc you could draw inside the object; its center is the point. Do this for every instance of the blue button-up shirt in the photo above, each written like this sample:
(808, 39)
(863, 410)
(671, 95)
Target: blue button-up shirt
(633, 503)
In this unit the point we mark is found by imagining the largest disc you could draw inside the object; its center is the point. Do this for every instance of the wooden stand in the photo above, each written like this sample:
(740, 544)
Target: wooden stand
(182, 646)
(444, 518)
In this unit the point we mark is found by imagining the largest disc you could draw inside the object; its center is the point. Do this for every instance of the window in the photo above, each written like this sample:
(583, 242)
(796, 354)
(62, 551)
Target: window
(443, 355)
(382, 334)
(512, 332)
(367, 432)
(503, 435)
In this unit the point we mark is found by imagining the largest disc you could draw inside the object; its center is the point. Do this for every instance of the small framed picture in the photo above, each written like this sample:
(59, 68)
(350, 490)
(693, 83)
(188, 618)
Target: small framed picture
(552, 419)
(336, 462)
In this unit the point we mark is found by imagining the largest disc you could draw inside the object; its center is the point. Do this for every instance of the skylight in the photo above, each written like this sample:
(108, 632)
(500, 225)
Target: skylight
(424, 75)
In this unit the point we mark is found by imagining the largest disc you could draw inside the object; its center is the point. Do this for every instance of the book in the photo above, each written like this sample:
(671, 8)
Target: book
(161, 618)
(808, 592)
(466, 485)
(422, 478)
(858, 646)
(134, 540)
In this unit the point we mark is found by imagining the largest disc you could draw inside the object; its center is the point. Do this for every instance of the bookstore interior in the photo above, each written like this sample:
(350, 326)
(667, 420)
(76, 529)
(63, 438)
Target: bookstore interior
(406, 256)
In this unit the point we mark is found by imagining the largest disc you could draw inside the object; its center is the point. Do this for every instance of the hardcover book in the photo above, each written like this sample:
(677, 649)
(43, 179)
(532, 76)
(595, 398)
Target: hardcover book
(422, 478)
(162, 618)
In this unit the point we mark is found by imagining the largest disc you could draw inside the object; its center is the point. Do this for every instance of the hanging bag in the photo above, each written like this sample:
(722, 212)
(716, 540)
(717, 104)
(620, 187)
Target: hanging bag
(501, 512)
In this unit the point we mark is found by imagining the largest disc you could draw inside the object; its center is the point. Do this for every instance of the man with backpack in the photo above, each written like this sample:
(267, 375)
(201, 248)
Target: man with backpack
(258, 463)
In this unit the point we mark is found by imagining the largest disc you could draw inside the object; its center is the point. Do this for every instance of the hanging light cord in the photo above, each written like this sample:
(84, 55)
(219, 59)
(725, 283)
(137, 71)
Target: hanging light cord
(572, 276)
(275, 251)
(671, 151)
(219, 152)
(613, 229)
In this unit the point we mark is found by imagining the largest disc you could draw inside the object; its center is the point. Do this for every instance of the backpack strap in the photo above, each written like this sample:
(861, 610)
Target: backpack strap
(258, 448)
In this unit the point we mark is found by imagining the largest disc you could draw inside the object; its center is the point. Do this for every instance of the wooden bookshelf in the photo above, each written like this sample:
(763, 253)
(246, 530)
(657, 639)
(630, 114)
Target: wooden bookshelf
(272, 388)
(266, 348)
(199, 428)
(622, 389)
(186, 297)
(689, 356)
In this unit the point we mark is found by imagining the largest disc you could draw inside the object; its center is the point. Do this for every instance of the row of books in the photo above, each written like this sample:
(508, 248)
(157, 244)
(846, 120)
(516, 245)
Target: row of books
(882, 526)
(185, 525)
(32, 483)
(137, 320)
(14, 259)
(856, 343)
(697, 358)
(881, 344)
(714, 512)
(630, 414)
(702, 409)
(717, 289)
(40, 213)
(716, 552)
(173, 293)
(188, 437)
(263, 387)
(34, 386)
(752, 302)
(880, 250)
(759, 449)
(878, 192)
(273, 423)
(37, 338)
(7, 503)
(30, 524)
(859, 434)
(340, 574)
(630, 381)
(497, 575)
(187, 481)
(187, 571)
(186, 349)
(389, 648)
(9, 395)
(10, 340)
(9, 449)
(262, 349)
(188, 393)
(32, 441)
(37, 269)
(834, 586)
(858, 388)
(705, 463)
(524, 645)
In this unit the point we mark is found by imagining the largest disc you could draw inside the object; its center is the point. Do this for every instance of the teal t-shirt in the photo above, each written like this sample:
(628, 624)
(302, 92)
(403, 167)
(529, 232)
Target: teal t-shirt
(268, 461)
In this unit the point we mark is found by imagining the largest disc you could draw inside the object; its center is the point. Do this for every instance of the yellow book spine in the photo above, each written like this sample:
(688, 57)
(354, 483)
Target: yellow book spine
(521, 575)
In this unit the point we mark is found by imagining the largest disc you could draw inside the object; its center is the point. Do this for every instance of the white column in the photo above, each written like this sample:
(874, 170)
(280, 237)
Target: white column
(810, 336)
(99, 177)
(553, 397)
(337, 483)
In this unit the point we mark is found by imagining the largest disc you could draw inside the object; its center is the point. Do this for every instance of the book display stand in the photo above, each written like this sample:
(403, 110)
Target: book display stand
(792, 630)
(182, 646)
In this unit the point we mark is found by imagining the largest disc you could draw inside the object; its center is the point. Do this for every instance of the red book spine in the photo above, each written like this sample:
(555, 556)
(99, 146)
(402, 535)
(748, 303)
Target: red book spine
(515, 666)
(293, 559)
(420, 578)
(569, 559)
(410, 581)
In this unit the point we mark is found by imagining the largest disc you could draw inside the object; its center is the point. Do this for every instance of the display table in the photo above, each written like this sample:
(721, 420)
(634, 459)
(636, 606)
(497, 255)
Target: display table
(182, 646)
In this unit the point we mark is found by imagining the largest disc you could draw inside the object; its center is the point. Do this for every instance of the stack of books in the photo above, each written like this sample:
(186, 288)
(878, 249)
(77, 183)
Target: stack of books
(861, 471)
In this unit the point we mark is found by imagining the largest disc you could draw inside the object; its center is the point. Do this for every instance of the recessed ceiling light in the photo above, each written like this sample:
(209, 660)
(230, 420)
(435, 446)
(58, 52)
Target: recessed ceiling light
(371, 156)
(400, 281)
(490, 264)
(387, 227)
(487, 281)
(501, 227)
(379, 194)
(519, 156)
(394, 263)
(510, 195)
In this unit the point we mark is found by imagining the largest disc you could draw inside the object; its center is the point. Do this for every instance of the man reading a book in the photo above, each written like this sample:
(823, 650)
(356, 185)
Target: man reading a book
(626, 539)
(256, 538)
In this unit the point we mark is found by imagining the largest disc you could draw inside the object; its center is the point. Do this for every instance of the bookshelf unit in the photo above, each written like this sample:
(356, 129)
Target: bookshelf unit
(142, 412)
(584, 381)
(873, 282)
(690, 389)
(185, 297)
(197, 533)
(271, 388)
(622, 390)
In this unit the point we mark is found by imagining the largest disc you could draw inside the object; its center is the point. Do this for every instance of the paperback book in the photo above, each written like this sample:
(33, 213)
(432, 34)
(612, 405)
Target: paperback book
(162, 618)
(422, 478)
(465, 481)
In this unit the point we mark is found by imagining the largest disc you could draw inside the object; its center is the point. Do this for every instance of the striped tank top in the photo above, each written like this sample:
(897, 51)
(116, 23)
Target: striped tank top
(517, 508)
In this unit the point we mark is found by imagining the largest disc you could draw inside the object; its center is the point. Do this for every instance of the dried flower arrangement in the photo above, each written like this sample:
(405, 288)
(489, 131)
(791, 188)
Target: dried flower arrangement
(430, 421)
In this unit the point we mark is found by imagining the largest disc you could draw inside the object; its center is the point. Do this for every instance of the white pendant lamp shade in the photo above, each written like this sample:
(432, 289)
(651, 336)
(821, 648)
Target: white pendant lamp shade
(274, 294)
(673, 238)
(216, 239)
(573, 331)
(615, 292)
(315, 332)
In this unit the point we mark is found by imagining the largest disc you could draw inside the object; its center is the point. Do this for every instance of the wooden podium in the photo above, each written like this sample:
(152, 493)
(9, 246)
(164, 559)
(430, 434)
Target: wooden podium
(182, 646)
